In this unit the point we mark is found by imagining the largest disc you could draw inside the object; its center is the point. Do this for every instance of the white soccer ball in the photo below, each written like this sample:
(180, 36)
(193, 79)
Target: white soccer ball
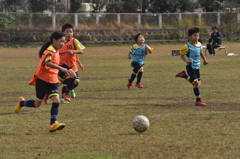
(141, 123)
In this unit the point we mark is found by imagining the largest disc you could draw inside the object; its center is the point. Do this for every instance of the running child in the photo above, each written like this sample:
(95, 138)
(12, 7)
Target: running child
(193, 50)
(68, 59)
(46, 80)
(138, 53)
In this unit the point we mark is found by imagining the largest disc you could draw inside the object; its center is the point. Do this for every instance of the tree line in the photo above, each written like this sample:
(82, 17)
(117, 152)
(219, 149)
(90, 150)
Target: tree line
(120, 6)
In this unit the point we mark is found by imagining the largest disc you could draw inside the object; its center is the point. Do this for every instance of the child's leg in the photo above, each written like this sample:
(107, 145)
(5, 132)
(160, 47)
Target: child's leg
(139, 76)
(196, 90)
(54, 109)
(136, 67)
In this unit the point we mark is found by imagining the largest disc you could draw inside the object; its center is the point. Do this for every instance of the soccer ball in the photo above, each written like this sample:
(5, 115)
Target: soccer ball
(141, 123)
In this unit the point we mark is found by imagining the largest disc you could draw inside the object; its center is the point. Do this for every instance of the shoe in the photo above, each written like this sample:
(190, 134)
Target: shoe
(200, 103)
(139, 85)
(56, 126)
(45, 99)
(129, 85)
(66, 97)
(18, 108)
(72, 93)
(181, 74)
(64, 101)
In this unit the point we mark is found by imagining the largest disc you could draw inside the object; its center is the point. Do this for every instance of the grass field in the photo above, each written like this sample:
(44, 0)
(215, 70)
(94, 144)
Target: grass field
(99, 120)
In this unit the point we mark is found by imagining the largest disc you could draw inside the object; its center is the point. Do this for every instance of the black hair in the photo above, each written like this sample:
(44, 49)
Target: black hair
(136, 36)
(192, 31)
(66, 26)
(55, 35)
(214, 27)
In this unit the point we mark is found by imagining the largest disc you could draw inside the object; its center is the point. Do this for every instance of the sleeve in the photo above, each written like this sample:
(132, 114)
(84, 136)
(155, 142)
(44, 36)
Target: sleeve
(78, 45)
(219, 37)
(147, 51)
(184, 50)
(48, 58)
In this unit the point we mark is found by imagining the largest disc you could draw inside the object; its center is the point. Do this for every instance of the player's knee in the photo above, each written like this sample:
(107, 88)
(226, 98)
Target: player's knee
(55, 99)
(76, 82)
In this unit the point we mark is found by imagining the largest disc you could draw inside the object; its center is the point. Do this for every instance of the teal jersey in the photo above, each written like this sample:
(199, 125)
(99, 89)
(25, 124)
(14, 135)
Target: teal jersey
(139, 54)
(194, 54)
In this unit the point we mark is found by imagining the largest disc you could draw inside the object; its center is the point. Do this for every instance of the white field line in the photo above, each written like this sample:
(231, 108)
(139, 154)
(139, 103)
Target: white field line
(156, 115)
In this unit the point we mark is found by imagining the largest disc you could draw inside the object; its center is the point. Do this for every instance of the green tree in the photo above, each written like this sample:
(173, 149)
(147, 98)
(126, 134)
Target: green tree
(38, 6)
(75, 6)
(114, 7)
(132, 5)
(10, 5)
(166, 6)
(210, 5)
(98, 5)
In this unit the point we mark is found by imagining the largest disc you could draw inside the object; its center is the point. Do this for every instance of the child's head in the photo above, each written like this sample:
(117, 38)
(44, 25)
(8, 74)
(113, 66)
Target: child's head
(139, 39)
(57, 39)
(214, 29)
(193, 35)
(67, 29)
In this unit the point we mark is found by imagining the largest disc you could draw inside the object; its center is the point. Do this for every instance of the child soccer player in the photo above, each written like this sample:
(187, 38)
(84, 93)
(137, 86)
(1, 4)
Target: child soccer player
(193, 50)
(46, 79)
(68, 59)
(138, 53)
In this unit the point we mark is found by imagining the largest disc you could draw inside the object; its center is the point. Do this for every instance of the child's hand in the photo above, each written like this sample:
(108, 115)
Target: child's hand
(81, 66)
(129, 57)
(71, 52)
(189, 61)
(205, 62)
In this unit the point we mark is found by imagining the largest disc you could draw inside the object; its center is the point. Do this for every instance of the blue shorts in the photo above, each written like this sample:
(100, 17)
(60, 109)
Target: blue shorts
(136, 66)
(194, 74)
(42, 87)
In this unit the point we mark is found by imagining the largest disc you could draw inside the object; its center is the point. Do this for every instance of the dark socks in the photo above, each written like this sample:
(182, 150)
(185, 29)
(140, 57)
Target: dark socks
(27, 103)
(54, 113)
(139, 76)
(133, 76)
(70, 84)
(197, 94)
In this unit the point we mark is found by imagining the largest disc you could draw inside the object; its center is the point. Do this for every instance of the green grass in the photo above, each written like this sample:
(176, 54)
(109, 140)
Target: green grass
(99, 120)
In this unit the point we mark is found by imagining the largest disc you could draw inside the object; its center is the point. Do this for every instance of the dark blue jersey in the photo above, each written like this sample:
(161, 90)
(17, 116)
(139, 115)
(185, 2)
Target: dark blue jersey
(216, 38)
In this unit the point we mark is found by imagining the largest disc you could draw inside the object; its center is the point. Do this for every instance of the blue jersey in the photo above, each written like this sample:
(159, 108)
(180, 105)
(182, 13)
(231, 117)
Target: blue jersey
(139, 54)
(194, 54)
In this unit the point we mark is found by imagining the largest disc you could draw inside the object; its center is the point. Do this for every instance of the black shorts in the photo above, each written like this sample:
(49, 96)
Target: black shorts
(42, 87)
(62, 75)
(136, 66)
(194, 74)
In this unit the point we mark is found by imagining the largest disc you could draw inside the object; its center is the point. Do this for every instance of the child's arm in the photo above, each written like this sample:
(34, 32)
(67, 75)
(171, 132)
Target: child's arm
(205, 62)
(149, 49)
(185, 60)
(75, 52)
(80, 64)
(129, 55)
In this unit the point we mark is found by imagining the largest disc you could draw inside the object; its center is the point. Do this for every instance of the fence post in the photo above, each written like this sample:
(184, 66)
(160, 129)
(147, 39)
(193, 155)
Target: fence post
(160, 20)
(97, 18)
(75, 19)
(54, 20)
(139, 19)
(30, 20)
(179, 16)
(238, 17)
(218, 18)
(200, 18)
(118, 18)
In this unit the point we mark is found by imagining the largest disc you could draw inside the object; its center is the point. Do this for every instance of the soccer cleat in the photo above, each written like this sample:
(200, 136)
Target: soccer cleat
(181, 74)
(200, 103)
(66, 97)
(45, 99)
(64, 101)
(72, 93)
(129, 85)
(18, 108)
(56, 126)
(139, 85)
